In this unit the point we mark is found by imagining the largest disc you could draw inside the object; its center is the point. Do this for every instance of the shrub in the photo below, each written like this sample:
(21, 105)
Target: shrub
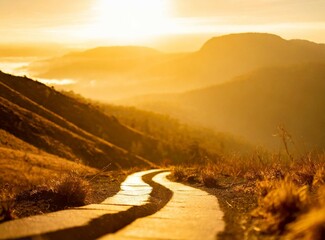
(68, 191)
(281, 206)
(179, 173)
(209, 178)
(72, 190)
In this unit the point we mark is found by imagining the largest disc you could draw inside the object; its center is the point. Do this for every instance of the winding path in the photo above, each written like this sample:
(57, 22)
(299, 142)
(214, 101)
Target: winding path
(190, 214)
(148, 206)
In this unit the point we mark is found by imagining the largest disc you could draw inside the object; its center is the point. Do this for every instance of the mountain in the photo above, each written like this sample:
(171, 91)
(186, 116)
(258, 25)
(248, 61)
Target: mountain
(71, 127)
(225, 57)
(66, 127)
(118, 72)
(100, 62)
(104, 72)
(255, 104)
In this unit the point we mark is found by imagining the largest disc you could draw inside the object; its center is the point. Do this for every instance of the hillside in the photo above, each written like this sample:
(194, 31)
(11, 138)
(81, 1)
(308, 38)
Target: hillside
(108, 73)
(255, 104)
(72, 127)
(176, 134)
(63, 126)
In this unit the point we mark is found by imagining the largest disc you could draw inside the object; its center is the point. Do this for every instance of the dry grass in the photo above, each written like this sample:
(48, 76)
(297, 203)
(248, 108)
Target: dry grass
(179, 173)
(6, 208)
(281, 206)
(72, 190)
(209, 177)
(287, 189)
(27, 179)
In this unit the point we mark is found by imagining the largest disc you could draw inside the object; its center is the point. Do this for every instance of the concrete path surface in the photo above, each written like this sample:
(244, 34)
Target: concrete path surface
(134, 192)
(190, 214)
(161, 210)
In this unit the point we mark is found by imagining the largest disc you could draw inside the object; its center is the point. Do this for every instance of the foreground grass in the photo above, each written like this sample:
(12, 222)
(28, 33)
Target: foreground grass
(35, 183)
(265, 196)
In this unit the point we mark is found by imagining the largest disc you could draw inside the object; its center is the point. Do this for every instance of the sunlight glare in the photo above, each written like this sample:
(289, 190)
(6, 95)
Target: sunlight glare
(129, 20)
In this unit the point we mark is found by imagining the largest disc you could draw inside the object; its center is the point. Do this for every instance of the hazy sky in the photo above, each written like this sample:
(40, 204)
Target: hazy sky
(170, 23)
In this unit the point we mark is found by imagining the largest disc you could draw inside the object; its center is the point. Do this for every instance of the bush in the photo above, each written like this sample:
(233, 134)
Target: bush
(69, 191)
(72, 190)
(281, 206)
(179, 173)
(209, 178)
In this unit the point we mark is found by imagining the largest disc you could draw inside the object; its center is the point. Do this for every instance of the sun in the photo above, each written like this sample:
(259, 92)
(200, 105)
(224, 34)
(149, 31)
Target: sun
(128, 20)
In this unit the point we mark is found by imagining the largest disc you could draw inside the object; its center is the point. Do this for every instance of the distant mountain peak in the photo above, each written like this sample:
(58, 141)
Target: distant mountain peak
(241, 38)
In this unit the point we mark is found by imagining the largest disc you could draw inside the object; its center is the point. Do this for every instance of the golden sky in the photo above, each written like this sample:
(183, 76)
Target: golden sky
(168, 24)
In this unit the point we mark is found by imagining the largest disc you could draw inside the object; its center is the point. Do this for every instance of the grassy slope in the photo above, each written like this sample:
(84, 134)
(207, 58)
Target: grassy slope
(172, 132)
(35, 182)
(21, 167)
(50, 137)
(24, 164)
(27, 171)
(8, 140)
(86, 147)
(79, 118)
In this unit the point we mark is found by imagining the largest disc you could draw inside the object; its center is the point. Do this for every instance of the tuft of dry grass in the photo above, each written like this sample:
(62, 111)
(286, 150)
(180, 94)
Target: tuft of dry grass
(281, 206)
(72, 190)
(209, 178)
(179, 173)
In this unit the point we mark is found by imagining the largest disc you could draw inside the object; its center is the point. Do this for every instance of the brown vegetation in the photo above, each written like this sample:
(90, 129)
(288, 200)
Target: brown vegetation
(288, 192)
(33, 182)
(46, 118)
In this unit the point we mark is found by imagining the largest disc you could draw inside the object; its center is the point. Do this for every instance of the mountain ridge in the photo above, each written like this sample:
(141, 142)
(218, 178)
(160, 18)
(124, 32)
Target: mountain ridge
(255, 104)
(126, 72)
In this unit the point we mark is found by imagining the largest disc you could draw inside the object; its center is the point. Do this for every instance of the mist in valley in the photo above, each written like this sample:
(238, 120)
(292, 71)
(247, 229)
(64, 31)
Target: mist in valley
(247, 85)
